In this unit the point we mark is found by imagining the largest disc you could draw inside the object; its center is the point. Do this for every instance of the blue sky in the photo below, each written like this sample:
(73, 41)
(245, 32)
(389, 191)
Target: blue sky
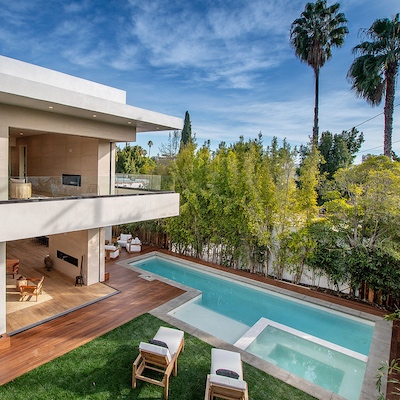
(227, 62)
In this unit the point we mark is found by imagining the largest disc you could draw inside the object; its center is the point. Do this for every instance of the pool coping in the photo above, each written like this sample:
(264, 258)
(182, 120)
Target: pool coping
(380, 346)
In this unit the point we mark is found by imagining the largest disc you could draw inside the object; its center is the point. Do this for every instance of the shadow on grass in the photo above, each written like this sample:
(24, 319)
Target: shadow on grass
(102, 370)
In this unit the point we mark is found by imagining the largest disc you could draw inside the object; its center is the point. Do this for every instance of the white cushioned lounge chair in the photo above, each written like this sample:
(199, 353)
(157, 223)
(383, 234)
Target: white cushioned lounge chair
(124, 239)
(161, 355)
(225, 380)
(135, 245)
(111, 251)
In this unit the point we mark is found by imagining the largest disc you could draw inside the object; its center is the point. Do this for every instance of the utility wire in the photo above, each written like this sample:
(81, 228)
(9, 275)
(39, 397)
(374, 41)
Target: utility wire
(377, 147)
(370, 119)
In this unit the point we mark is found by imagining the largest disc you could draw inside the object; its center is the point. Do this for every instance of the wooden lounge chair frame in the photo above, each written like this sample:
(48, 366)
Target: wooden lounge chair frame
(224, 387)
(32, 290)
(224, 392)
(161, 363)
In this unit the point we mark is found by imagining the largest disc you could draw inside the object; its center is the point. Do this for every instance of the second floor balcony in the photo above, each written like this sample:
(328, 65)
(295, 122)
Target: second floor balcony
(72, 185)
(55, 205)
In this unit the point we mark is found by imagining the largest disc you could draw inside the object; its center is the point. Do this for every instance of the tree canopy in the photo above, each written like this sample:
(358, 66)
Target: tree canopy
(133, 160)
(373, 73)
(313, 35)
(186, 135)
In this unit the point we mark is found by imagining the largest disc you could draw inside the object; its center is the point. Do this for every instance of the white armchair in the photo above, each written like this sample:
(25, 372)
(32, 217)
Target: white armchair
(124, 239)
(135, 245)
(111, 251)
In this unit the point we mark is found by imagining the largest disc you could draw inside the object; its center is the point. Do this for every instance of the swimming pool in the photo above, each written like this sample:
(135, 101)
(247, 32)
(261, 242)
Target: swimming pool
(323, 346)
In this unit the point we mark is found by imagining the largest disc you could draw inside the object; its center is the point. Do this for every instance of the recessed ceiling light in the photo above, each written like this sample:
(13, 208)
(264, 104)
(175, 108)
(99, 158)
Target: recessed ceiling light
(129, 122)
(51, 107)
(21, 133)
(94, 115)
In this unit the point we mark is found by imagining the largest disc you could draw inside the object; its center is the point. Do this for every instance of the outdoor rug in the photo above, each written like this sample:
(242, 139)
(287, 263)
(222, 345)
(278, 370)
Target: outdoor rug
(12, 298)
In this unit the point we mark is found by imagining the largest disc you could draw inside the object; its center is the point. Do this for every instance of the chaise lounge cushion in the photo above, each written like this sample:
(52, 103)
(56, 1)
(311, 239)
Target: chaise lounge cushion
(228, 382)
(223, 359)
(153, 348)
(172, 337)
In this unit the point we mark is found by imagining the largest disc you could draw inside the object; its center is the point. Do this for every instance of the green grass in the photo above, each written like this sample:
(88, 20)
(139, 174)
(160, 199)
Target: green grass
(102, 370)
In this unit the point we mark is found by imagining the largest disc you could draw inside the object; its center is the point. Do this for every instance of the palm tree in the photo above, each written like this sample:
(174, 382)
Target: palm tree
(312, 36)
(150, 143)
(373, 73)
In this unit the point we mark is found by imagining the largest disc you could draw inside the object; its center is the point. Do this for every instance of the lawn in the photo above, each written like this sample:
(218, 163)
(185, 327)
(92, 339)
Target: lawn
(102, 370)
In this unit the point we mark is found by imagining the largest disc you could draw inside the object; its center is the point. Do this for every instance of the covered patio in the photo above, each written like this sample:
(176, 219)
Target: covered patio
(75, 315)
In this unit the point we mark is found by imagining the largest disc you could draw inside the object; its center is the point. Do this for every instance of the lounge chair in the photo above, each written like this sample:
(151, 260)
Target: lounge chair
(134, 245)
(225, 380)
(124, 239)
(160, 355)
(111, 251)
(31, 288)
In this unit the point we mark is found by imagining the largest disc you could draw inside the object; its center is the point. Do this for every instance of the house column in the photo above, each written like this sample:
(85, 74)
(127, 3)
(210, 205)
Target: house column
(4, 162)
(3, 318)
(95, 265)
(4, 150)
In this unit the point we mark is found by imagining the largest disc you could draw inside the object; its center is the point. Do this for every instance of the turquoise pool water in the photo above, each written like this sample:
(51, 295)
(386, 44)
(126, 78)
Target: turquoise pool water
(241, 306)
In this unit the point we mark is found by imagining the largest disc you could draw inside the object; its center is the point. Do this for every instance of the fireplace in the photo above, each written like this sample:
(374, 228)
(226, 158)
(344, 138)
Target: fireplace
(71, 180)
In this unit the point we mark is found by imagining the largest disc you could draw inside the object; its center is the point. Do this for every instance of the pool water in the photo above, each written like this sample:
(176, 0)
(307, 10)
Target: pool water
(228, 309)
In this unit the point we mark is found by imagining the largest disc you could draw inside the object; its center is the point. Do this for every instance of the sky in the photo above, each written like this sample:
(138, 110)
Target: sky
(228, 63)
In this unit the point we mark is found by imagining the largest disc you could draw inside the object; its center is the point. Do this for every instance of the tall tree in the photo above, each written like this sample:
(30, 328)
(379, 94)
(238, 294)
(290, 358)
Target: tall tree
(339, 150)
(312, 36)
(149, 143)
(170, 149)
(186, 137)
(133, 160)
(373, 74)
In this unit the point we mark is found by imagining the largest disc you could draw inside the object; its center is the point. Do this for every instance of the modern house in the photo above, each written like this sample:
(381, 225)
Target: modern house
(58, 136)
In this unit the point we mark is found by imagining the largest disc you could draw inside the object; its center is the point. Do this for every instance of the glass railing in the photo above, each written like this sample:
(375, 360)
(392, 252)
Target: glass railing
(73, 185)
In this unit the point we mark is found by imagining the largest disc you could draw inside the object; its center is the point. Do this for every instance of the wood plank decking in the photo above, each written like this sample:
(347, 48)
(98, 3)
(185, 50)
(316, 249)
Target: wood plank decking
(38, 345)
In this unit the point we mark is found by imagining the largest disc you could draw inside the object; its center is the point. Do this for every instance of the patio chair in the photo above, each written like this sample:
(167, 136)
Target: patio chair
(159, 355)
(12, 267)
(124, 239)
(134, 245)
(111, 251)
(32, 288)
(225, 380)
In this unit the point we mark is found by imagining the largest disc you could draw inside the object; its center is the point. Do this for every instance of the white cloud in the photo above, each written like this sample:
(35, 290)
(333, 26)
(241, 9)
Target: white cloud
(222, 42)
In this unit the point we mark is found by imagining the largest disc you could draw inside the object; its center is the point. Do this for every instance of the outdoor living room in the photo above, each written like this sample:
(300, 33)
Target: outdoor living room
(58, 292)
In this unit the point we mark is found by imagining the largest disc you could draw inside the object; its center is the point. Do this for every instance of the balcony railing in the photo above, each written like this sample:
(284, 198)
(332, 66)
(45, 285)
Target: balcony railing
(73, 185)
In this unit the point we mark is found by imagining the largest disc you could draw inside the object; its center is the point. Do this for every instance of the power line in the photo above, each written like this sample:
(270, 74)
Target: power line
(370, 119)
(377, 147)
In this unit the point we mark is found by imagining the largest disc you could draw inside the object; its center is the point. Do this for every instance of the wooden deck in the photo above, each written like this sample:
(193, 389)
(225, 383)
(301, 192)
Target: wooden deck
(44, 342)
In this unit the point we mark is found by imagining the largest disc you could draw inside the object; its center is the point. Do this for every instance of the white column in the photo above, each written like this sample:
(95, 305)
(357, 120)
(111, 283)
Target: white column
(94, 266)
(4, 162)
(3, 317)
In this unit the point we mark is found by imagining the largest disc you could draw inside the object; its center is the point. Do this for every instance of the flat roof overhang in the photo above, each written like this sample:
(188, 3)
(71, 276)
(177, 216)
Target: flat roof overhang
(21, 92)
